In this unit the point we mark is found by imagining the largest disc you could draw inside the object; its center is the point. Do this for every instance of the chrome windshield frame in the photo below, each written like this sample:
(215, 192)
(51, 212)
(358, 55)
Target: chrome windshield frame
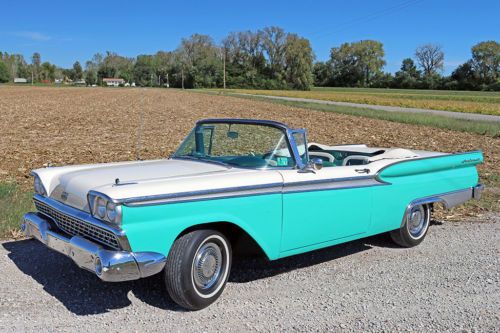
(299, 164)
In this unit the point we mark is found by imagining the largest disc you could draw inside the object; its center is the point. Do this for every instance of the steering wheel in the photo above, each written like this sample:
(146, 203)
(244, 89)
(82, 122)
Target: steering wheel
(268, 158)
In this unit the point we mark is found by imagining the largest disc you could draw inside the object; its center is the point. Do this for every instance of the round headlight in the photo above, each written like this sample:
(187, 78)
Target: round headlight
(100, 207)
(111, 211)
(39, 189)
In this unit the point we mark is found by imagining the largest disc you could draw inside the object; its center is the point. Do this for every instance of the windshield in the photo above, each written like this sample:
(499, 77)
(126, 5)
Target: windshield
(242, 145)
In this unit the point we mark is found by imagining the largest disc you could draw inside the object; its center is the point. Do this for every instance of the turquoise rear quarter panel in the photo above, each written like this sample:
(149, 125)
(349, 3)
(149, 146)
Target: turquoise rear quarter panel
(411, 180)
(154, 228)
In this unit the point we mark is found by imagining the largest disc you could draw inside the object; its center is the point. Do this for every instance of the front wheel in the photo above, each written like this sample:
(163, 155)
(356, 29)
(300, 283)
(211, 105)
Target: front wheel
(415, 226)
(197, 268)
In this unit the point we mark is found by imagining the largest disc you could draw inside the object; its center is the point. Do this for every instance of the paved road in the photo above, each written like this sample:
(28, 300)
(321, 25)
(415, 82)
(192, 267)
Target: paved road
(448, 283)
(457, 115)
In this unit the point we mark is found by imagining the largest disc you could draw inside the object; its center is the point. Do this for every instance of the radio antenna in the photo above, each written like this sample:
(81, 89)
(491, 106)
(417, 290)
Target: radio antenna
(139, 128)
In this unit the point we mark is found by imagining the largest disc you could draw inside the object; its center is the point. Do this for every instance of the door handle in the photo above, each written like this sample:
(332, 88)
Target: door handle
(362, 170)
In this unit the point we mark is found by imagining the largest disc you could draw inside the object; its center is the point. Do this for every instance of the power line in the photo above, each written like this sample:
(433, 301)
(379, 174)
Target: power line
(363, 19)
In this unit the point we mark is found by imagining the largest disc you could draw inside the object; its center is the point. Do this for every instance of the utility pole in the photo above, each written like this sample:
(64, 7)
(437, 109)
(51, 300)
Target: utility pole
(168, 85)
(182, 77)
(224, 67)
(31, 76)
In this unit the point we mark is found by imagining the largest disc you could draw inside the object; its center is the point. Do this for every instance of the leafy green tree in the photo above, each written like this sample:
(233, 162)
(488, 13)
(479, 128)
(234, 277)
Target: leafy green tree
(77, 71)
(201, 62)
(408, 76)
(143, 72)
(90, 72)
(113, 65)
(322, 74)
(464, 77)
(4, 73)
(245, 61)
(47, 71)
(298, 62)
(36, 61)
(274, 46)
(486, 61)
(357, 63)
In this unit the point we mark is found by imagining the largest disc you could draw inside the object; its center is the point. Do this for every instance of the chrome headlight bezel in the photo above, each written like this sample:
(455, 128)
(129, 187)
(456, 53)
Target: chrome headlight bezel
(103, 208)
(38, 186)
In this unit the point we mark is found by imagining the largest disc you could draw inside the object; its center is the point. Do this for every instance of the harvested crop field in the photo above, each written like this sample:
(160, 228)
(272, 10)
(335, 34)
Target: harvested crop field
(458, 101)
(60, 126)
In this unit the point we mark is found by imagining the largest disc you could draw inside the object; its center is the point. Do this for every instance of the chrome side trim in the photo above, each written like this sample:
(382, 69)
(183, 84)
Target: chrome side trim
(85, 217)
(111, 266)
(234, 192)
(448, 199)
(331, 184)
(272, 188)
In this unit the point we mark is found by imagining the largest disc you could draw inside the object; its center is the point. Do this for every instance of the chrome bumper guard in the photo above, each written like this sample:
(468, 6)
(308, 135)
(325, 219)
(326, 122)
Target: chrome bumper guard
(108, 265)
(477, 191)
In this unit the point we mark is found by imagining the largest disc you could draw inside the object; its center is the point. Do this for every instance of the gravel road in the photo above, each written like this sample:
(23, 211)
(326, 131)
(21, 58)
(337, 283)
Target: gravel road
(448, 283)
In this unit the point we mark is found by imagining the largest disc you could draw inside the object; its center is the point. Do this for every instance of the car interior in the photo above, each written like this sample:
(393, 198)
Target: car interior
(345, 155)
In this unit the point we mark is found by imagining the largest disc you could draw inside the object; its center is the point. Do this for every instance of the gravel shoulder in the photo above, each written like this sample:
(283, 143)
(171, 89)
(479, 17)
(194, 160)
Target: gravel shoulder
(448, 283)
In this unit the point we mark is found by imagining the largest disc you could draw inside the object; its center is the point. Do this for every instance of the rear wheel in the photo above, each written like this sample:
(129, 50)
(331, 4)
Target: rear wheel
(197, 268)
(415, 226)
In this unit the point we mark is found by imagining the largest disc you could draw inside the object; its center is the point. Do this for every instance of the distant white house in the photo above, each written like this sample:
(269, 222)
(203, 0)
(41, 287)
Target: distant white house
(80, 82)
(20, 80)
(113, 82)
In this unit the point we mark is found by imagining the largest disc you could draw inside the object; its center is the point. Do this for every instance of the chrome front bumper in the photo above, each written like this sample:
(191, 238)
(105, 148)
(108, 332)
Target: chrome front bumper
(109, 265)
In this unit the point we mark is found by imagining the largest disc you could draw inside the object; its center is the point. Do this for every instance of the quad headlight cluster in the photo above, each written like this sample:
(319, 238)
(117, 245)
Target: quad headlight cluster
(38, 186)
(104, 209)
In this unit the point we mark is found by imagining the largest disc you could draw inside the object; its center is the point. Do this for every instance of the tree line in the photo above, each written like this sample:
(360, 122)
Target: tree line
(359, 64)
(270, 58)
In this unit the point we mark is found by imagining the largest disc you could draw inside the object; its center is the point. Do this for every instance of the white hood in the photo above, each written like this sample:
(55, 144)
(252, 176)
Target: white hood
(71, 184)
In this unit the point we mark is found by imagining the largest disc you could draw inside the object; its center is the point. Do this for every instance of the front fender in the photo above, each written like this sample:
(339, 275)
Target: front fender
(155, 227)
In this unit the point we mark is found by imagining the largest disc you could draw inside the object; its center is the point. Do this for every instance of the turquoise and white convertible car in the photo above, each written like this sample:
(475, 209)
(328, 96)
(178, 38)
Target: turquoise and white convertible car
(233, 183)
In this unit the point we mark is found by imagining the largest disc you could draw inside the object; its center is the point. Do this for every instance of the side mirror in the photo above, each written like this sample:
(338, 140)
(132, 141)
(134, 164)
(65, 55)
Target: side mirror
(316, 163)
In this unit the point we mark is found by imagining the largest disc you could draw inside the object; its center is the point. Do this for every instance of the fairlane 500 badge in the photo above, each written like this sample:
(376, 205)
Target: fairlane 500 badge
(471, 160)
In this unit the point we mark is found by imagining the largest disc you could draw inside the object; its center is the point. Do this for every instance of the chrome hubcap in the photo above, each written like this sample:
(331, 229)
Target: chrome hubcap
(417, 221)
(207, 266)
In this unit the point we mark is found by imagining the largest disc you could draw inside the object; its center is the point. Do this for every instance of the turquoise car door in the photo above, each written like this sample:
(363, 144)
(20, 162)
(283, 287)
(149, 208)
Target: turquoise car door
(332, 203)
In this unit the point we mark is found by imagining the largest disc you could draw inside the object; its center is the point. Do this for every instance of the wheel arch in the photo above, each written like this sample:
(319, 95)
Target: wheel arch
(429, 201)
(242, 242)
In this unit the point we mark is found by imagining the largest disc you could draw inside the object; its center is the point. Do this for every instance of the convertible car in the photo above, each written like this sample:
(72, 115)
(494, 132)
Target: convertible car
(234, 183)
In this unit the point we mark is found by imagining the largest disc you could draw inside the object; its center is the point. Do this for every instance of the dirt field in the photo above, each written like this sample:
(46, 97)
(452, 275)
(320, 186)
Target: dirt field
(82, 125)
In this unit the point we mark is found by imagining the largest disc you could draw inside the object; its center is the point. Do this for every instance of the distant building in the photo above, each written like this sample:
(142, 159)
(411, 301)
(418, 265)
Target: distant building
(80, 82)
(20, 80)
(113, 82)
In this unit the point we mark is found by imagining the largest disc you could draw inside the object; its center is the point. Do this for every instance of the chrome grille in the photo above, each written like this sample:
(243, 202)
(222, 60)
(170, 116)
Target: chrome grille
(77, 227)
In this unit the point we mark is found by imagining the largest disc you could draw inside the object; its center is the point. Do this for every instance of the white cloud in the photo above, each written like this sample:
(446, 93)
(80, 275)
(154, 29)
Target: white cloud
(33, 35)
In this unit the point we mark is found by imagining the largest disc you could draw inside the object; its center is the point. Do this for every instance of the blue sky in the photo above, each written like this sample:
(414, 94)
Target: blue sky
(66, 31)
